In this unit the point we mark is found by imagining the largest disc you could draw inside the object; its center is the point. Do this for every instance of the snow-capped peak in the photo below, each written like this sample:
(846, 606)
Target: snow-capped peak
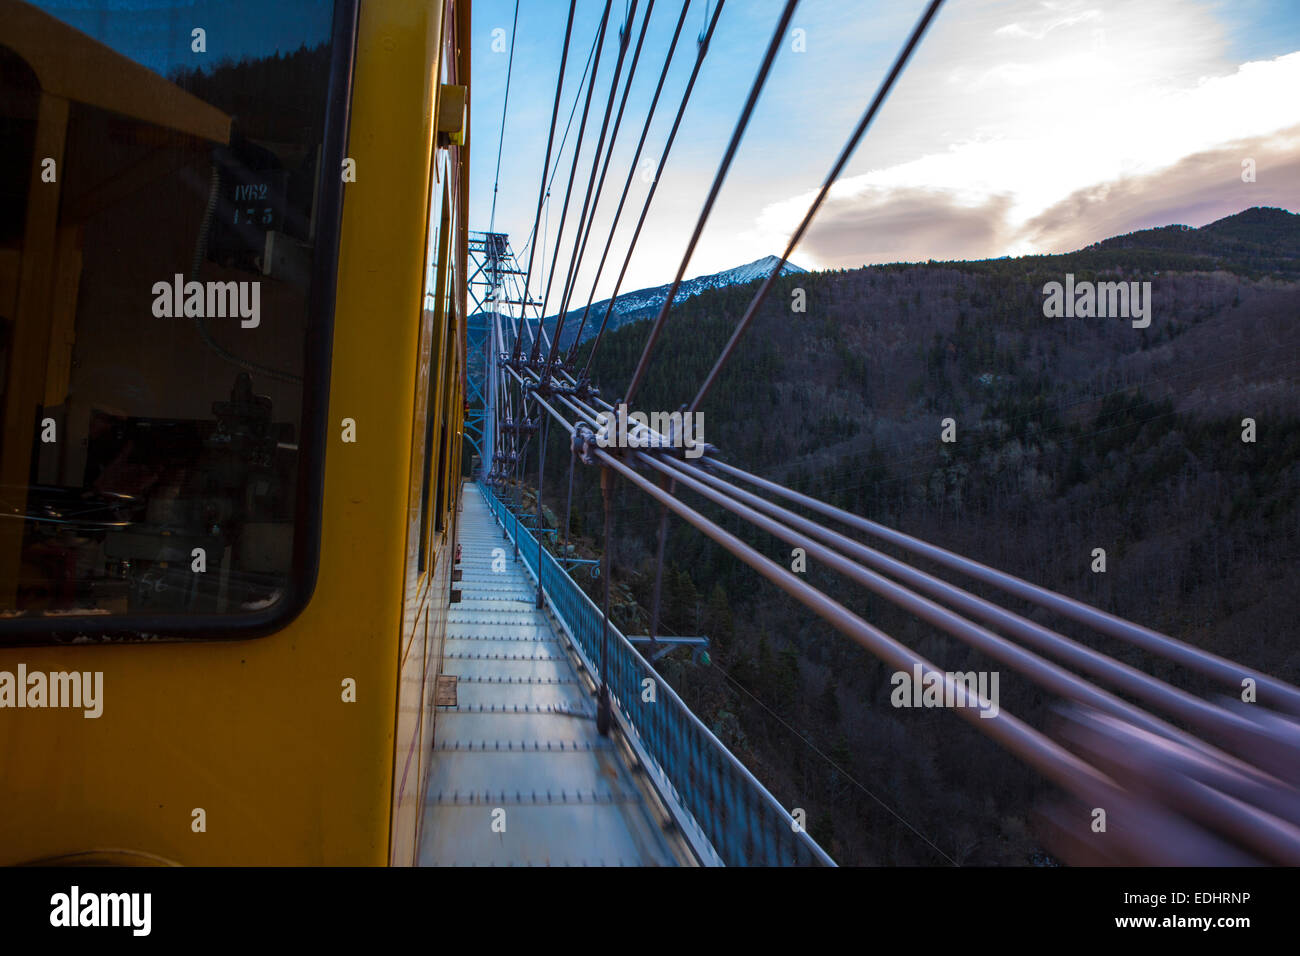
(630, 306)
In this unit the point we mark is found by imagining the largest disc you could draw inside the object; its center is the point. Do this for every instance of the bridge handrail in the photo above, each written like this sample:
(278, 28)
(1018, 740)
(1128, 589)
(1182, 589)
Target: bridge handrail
(741, 820)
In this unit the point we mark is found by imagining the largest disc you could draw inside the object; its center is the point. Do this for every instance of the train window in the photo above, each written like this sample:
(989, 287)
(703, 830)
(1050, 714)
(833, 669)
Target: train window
(439, 344)
(162, 227)
(448, 392)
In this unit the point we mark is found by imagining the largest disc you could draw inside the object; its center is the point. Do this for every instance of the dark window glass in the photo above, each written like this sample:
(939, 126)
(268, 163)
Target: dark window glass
(159, 167)
(431, 408)
(449, 413)
(435, 298)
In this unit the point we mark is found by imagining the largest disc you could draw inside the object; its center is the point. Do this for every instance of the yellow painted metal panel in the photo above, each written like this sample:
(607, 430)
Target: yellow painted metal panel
(256, 734)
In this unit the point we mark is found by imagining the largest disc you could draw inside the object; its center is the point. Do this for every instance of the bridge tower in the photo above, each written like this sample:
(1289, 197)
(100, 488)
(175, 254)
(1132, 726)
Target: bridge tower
(497, 303)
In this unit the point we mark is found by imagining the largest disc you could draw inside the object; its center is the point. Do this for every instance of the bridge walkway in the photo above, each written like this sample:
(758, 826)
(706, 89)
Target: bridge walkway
(520, 776)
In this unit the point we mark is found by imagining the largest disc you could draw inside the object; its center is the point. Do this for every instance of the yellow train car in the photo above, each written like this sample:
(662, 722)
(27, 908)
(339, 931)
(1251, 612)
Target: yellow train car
(232, 318)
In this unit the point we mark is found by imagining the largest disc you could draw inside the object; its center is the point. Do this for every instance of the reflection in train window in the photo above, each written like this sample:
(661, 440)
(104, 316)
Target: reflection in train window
(158, 225)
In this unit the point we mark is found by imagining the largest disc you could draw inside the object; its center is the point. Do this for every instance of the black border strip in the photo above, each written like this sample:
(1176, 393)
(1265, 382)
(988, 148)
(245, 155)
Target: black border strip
(298, 908)
(155, 628)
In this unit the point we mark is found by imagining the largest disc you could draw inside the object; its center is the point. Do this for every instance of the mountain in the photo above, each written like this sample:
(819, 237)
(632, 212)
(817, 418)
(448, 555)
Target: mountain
(1264, 238)
(1255, 242)
(646, 303)
(1071, 434)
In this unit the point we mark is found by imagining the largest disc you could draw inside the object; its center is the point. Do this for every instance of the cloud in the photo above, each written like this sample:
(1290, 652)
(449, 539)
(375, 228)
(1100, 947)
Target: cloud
(901, 225)
(1196, 190)
(875, 224)
(1019, 126)
(1041, 30)
(1064, 170)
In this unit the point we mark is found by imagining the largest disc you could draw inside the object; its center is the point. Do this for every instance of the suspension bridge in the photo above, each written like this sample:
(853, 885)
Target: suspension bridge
(580, 726)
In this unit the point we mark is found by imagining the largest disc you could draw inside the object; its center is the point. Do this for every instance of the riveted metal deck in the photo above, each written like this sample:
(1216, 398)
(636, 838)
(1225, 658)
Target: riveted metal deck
(519, 774)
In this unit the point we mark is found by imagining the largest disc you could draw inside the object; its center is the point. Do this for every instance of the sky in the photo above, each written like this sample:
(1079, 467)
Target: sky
(158, 33)
(1020, 126)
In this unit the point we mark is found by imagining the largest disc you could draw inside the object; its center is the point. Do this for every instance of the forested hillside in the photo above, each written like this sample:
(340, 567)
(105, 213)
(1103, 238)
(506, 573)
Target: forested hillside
(1071, 434)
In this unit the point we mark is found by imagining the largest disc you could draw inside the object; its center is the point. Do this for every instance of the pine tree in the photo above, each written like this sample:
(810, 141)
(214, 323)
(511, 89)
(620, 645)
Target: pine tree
(718, 622)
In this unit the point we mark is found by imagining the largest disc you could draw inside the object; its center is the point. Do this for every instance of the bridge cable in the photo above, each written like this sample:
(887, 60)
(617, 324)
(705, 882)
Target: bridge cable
(505, 100)
(631, 174)
(550, 140)
(577, 154)
(1050, 757)
(747, 111)
(585, 222)
(1257, 812)
(1252, 826)
(847, 557)
(1154, 642)
(845, 154)
(539, 333)
(654, 184)
(831, 762)
(1187, 707)
(568, 127)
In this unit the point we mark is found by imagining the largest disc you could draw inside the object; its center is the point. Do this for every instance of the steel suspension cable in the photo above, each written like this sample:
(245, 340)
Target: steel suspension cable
(631, 174)
(805, 533)
(585, 229)
(505, 100)
(568, 127)
(577, 154)
(746, 112)
(1133, 681)
(1057, 763)
(846, 153)
(654, 184)
(1254, 809)
(550, 141)
(1231, 673)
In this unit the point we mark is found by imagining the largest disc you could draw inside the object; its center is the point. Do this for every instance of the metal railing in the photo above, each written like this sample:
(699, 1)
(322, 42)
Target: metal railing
(742, 822)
